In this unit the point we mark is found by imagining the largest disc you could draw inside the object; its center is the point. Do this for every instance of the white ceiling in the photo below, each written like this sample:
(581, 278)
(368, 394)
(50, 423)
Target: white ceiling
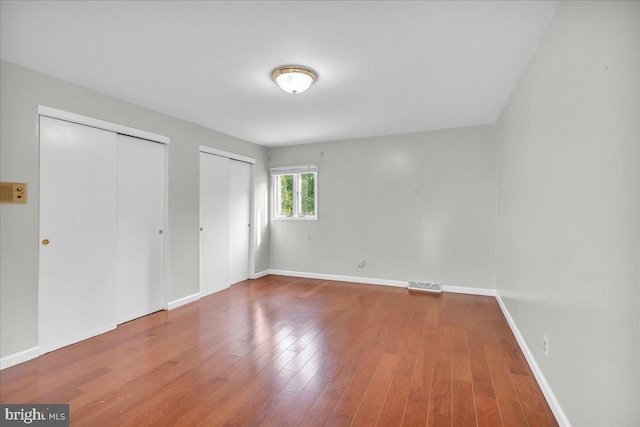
(383, 67)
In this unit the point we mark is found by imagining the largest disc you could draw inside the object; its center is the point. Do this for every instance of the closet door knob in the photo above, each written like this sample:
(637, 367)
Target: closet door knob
(160, 232)
(45, 242)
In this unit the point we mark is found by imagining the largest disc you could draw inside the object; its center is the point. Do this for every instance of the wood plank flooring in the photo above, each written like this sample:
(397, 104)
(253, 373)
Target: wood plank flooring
(283, 351)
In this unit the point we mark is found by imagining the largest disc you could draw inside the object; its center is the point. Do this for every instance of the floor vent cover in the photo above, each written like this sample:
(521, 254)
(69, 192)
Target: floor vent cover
(424, 286)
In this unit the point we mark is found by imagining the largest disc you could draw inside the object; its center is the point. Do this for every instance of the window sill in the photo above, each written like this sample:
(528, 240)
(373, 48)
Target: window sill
(294, 218)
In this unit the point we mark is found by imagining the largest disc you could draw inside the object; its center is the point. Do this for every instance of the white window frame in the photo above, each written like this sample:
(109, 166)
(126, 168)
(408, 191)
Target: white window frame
(296, 171)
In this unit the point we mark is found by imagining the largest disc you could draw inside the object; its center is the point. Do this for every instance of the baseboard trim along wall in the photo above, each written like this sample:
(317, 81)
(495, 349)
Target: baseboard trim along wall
(338, 278)
(467, 290)
(19, 357)
(261, 274)
(561, 417)
(383, 282)
(184, 300)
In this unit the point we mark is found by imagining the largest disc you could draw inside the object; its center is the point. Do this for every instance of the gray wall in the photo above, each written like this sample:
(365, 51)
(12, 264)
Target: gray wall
(413, 206)
(568, 209)
(22, 90)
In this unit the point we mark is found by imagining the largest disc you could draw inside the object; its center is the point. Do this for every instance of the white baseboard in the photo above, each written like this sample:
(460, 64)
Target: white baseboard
(261, 274)
(19, 357)
(561, 417)
(184, 300)
(338, 278)
(384, 282)
(468, 290)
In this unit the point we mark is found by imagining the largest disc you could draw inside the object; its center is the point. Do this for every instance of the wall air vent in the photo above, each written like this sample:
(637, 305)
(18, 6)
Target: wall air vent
(424, 286)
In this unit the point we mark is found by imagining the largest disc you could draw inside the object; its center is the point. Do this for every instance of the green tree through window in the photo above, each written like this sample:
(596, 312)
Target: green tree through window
(286, 194)
(307, 194)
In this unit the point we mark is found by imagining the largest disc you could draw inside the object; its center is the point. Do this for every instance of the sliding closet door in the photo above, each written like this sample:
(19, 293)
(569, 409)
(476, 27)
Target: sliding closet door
(214, 223)
(78, 233)
(240, 224)
(140, 227)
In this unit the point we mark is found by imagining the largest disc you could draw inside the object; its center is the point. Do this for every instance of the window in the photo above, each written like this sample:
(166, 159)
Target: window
(295, 192)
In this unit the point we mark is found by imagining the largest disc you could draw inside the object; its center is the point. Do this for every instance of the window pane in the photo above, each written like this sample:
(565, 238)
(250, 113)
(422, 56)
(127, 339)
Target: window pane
(307, 194)
(285, 204)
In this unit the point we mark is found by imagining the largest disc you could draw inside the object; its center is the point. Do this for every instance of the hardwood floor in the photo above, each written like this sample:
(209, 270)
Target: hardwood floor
(283, 351)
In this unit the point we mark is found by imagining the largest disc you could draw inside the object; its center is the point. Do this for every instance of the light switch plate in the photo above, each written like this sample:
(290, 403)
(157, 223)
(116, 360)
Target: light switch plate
(13, 192)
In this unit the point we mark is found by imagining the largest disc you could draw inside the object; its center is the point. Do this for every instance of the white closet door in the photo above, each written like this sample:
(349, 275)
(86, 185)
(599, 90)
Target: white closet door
(78, 266)
(140, 227)
(239, 226)
(214, 222)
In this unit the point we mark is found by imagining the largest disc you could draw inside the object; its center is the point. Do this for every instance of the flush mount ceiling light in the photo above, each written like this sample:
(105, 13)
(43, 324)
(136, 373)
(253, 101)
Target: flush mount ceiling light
(293, 78)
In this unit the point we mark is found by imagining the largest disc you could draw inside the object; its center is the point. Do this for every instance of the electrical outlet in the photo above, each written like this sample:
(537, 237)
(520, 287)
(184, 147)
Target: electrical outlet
(545, 345)
(360, 263)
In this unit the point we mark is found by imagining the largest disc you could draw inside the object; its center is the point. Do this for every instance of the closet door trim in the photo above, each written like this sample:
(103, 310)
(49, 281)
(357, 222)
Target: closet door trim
(100, 124)
(227, 154)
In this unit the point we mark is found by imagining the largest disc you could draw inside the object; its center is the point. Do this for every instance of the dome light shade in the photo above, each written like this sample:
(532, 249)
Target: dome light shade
(293, 78)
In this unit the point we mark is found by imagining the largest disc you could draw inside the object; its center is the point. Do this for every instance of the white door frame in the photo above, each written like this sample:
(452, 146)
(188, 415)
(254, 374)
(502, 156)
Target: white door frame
(252, 231)
(124, 130)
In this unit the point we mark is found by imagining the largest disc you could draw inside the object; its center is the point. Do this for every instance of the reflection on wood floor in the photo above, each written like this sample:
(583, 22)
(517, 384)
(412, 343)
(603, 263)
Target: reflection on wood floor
(284, 351)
